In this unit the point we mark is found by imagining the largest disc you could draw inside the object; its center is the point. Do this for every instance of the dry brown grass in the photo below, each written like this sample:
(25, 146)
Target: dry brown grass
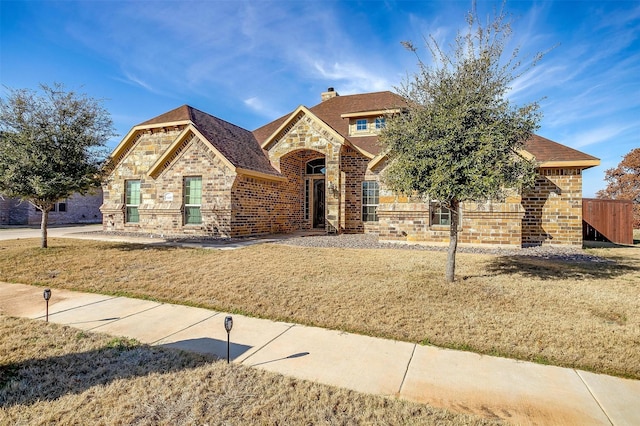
(51, 374)
(583, 315)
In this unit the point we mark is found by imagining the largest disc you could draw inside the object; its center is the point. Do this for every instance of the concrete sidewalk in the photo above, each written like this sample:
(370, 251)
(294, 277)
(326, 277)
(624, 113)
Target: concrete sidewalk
(515, 391)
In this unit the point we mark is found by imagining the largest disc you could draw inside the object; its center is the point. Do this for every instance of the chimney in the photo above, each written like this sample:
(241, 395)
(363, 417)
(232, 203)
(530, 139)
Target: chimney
(330, 93)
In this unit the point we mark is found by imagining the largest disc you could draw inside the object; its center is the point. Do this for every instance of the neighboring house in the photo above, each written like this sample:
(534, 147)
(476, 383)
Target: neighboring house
(187, 172)
(75, 209)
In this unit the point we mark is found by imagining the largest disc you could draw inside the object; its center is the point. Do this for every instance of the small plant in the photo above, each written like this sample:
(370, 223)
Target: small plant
(122, 343)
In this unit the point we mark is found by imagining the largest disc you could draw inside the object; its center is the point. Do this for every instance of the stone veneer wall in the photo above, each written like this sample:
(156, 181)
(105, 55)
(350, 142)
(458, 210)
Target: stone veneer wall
(161, 205)
(553, 209)
(307, 134)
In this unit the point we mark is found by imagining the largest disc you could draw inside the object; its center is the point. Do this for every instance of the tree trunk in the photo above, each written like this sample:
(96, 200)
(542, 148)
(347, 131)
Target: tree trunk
(453, 243)
(43, 227)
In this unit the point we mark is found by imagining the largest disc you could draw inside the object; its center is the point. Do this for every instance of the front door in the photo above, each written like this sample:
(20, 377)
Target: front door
(318, 203)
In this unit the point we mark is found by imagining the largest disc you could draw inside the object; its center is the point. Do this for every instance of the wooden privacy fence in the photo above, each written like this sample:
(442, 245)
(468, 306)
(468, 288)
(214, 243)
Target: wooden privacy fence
(608, 220)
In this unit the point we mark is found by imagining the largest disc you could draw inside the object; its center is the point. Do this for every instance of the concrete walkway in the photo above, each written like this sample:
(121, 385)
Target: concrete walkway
(515, 391)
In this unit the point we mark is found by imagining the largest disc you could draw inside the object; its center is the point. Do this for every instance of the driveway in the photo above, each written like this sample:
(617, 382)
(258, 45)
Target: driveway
(56, 231)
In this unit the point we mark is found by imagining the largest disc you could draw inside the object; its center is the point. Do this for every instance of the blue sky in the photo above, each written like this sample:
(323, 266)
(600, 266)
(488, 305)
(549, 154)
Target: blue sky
(250, 62)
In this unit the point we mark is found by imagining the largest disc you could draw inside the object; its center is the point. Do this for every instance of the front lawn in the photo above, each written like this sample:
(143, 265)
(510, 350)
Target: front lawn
(51, 374)
(568, 313)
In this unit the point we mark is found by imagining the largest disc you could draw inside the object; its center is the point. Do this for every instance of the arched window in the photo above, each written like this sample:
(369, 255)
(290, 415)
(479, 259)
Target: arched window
(316, 167)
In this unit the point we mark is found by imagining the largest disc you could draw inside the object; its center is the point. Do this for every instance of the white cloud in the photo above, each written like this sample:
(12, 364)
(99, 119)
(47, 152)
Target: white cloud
(607, 133)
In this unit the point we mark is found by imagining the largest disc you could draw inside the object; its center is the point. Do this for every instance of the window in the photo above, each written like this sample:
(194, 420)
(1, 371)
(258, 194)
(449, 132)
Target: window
(60, 207)
(307, 198)
(192, 200)
(132, 201)
(315, 167)
(361, 125)
(370, 200)
(440, 215)
(380, 123)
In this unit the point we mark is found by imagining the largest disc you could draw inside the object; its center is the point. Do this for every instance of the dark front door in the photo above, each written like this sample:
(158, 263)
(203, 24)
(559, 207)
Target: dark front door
(318, 203)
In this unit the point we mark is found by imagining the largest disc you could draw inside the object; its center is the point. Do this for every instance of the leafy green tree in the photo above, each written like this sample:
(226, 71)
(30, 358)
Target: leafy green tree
(51, 145)
(623, 183)
(459, 137)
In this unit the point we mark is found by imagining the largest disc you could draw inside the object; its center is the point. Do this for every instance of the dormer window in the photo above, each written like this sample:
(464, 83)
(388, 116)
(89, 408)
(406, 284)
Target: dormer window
(380, 123)
(361, 125)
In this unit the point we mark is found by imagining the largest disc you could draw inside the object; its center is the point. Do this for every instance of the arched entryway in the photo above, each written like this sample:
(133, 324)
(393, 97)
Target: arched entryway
(305, 198)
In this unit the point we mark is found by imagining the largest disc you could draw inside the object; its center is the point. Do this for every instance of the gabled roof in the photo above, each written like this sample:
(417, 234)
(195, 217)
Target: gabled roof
(551, 154)
(331, 111)
(237, 145)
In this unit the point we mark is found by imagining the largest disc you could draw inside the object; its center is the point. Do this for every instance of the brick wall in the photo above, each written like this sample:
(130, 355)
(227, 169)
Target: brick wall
(255, 208)
(551, 213)
(354, 166)
(13, 211)
(480, 223)
(553, 209)
(78, 209)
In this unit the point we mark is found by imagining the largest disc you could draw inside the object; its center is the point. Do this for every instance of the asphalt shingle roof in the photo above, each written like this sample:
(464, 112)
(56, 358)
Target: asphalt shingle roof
(238, 145)
(331, 110)
(544, 149)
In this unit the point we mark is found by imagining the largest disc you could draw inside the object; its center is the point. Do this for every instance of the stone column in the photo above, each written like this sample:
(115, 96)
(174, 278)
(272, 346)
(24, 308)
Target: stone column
(332, 189)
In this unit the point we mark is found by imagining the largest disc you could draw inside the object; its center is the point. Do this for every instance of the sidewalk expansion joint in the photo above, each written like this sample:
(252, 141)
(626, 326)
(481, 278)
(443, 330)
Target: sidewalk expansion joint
(127, 316)
(593, 396)
(268, 343)
(79, 306)
(186, 328)
(406, 371)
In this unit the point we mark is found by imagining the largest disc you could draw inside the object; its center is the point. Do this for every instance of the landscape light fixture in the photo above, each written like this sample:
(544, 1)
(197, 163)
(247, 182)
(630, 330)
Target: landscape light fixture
(228, 325)
(47, 296)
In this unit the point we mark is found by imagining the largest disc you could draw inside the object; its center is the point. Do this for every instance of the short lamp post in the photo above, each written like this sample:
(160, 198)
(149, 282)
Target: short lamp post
(228, 325)
(47, 296)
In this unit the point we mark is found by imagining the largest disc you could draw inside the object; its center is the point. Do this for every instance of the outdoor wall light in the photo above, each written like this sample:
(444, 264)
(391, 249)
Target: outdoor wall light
(228, 325)
(47, 295)
(332, 187)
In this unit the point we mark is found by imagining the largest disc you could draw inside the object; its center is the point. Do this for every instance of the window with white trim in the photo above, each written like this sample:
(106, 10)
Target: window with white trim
(440, 215)
(192, 200)
(361, 125)
(380, 123)
(132, 201)
(370, 200)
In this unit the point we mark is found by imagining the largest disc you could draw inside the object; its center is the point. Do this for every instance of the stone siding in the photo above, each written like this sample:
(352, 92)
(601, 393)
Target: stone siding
(161, 197)
(308, 134)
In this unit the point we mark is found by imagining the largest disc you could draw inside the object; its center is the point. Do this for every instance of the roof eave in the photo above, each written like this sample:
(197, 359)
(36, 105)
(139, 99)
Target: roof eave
(260, 175)
(123, 143)
(583, 164)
